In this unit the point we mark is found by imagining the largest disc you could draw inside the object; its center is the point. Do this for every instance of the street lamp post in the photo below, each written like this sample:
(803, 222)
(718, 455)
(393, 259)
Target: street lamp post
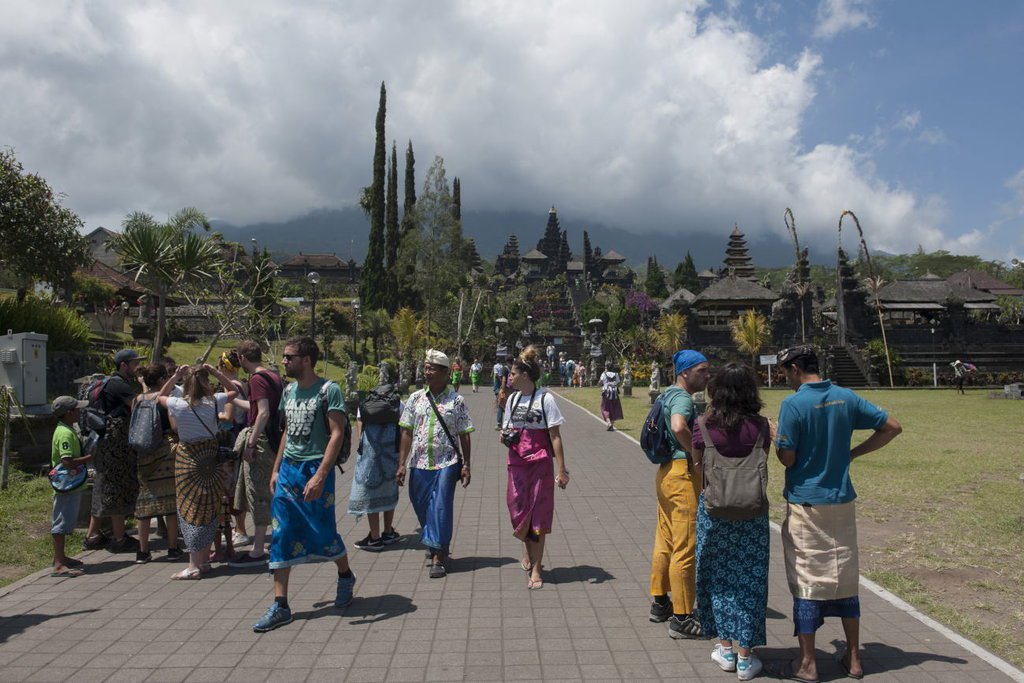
(314, 279)
(935, 367)
(355, 325)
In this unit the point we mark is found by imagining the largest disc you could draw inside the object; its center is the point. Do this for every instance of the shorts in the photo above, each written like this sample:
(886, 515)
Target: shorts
(65, 512)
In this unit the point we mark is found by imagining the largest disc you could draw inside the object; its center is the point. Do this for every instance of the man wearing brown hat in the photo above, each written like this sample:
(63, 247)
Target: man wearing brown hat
(66, 454)
(435, 432)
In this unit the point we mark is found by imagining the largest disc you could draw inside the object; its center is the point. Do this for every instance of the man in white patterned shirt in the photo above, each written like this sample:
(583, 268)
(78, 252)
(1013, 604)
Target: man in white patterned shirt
(435, 431)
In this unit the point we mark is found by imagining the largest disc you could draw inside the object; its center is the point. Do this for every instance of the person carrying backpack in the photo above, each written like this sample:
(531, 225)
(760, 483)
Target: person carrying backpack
(115, 485)
(731, 441)
(673, 560)
(374, 489)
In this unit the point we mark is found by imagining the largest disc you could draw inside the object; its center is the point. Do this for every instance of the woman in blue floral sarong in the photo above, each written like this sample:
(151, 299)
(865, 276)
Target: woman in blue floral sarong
(732, 555)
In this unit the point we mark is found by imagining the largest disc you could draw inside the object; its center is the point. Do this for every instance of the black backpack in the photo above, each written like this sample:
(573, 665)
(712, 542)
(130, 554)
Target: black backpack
(380, 405)
(656, 440)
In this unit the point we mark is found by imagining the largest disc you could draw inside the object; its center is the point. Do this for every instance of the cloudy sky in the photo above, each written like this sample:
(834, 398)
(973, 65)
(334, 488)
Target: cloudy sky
(669, 116)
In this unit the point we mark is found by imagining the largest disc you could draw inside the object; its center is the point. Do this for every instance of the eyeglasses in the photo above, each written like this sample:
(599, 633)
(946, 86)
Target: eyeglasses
(288, 357)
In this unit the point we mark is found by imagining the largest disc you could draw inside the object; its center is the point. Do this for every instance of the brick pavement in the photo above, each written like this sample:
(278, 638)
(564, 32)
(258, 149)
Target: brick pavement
(123, 622)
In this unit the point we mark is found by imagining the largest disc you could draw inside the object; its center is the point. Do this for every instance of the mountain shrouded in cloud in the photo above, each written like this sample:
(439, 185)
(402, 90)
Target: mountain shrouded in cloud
(650, 116)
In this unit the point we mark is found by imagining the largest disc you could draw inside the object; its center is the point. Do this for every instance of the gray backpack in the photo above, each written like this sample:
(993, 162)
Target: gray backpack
(145, 430)
(734, 488)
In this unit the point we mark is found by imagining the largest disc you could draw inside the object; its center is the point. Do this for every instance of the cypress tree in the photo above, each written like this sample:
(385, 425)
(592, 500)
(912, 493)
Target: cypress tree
(685, 275)
(588, 255)
(457, 199)
(564, 253)
(654, 284)
(407, 294)
(393, 235)
(372, 289)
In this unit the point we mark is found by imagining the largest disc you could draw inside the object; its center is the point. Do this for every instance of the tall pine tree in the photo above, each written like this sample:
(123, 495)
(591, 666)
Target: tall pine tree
(392, 233)
(407, 293)
(457, 198)
(588, 255)
(654, 284)
(373, 288)
(685, 275)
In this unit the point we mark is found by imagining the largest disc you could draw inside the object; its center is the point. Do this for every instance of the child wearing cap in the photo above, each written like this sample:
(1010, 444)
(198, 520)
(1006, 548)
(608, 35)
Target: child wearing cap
(67, 451)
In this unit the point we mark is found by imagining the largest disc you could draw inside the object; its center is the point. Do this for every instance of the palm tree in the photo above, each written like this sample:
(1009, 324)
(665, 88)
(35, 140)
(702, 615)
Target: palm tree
(408, 331)
(751, 332)
(670, 333)
(166, 255)
(376, 326)
(874, 284)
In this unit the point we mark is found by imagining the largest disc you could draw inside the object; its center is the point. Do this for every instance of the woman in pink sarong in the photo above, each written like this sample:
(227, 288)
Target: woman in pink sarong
(531, 432)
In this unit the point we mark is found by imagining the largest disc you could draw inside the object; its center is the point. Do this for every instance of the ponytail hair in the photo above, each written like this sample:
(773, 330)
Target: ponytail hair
(529, 362)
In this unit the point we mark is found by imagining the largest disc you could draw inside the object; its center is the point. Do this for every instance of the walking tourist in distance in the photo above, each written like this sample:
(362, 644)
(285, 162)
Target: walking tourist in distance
(531, 434)
(156, 470)
(374, 489)
(261, 442)
(199, 479)
(474, 374)
(66, 453)
(611, 405)
(819, 528)
(500, 393)
(435, 446)
(732, 521)
(115, 483)
(302, 479)
(673, 560)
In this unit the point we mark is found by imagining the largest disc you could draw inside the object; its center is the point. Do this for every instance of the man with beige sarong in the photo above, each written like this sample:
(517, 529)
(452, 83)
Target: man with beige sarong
(819, 528)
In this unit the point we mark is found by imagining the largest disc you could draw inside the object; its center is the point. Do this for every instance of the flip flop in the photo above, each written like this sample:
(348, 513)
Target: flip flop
(534, 584)
(846, 669)
(69, 573)
(186, 575)
(784, 671)
(75, 564)
(525, 566)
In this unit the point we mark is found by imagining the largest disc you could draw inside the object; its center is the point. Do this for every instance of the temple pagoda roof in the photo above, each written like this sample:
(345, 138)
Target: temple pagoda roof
(735, 289)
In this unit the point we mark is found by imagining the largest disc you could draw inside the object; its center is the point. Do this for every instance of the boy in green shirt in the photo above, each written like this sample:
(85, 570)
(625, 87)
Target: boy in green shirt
(67, 451)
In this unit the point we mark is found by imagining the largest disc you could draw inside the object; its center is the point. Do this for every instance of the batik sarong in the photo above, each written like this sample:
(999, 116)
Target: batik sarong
(303, 531)
(199, 488)
(531, 486)
(732, 577)
(156, 482)
(432, 493)
(115, 485)
(374, 488)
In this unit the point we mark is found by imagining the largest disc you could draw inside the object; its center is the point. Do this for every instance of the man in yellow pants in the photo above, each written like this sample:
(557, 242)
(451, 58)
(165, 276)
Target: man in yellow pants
(673, 562)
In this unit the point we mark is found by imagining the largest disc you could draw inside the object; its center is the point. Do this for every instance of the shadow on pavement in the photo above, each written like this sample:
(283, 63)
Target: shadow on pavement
(12, 626)
(457, 565)
(368, 610)
(583, 573)
(877, 657)
(774, 614)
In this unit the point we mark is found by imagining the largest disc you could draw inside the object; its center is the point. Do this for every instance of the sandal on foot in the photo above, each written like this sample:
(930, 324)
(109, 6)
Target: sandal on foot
(535, 584)
(187, 575)
(786, 672)
(845, 668)
(67, 573)
(526, 566)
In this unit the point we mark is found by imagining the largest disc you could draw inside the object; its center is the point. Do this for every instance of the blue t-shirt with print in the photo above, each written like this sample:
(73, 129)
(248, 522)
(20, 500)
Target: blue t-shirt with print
(307, 433)
(818, 422)
(679, 402)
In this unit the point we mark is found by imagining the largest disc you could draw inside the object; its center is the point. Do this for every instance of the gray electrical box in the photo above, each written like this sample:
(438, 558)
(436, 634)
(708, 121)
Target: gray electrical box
(23, 366)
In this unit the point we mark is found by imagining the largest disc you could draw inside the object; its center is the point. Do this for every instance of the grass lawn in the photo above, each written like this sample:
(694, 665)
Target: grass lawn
(188, 352)
(25, 541)
(940, 511)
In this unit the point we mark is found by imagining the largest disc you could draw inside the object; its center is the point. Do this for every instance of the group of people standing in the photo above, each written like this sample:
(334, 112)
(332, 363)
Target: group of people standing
(709, 570)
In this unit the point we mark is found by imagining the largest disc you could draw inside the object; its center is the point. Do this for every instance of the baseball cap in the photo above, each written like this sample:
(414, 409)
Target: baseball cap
(125, 356)
(62, 405)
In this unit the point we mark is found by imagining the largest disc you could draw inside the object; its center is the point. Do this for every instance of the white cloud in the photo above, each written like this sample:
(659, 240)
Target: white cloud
(652, 116)
(909, 121)
(836, 16)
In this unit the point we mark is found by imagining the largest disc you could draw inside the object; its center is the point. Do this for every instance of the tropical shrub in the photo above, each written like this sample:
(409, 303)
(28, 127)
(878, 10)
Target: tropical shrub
(65, 329)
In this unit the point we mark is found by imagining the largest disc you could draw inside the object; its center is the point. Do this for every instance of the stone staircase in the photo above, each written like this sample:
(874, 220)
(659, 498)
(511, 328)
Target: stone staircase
(848, 370)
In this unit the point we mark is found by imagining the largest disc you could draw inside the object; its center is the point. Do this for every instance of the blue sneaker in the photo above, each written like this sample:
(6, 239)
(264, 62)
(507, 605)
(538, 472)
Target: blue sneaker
(343, 596)
(274, 617)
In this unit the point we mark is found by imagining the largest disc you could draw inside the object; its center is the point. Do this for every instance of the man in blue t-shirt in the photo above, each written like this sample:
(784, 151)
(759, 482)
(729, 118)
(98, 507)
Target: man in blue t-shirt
(302, 481)
(819, 532)
(674, 558)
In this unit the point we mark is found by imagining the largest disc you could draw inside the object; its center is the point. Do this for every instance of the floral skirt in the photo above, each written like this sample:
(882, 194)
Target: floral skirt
(303, 531)
(116, 484)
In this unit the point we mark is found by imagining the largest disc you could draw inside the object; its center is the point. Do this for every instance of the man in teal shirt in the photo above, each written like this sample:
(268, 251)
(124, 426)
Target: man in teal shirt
(302, 481)
(66, 451)
(673, 561)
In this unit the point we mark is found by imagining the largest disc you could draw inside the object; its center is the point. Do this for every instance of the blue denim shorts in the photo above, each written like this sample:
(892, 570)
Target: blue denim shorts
(65, 512)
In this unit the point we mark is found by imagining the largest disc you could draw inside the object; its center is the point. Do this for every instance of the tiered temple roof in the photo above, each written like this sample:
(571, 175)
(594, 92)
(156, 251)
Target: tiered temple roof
(737, 260)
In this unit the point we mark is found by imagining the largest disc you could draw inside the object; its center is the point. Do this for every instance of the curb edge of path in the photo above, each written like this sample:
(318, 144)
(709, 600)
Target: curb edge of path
(977, 650)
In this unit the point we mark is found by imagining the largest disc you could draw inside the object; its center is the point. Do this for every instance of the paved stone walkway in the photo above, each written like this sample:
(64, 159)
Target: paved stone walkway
(123, 622)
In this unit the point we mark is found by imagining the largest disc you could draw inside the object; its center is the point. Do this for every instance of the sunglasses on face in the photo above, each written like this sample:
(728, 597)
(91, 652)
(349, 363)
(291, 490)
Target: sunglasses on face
(289, 357)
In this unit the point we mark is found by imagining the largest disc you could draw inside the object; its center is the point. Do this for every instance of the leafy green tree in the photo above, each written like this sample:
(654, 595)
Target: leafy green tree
(1011, 309)
(685, 275)
(393, 235)
(751, 331)
(457, 198)
(39, 238)
(373, 285)
(166, 256)
(654, 283)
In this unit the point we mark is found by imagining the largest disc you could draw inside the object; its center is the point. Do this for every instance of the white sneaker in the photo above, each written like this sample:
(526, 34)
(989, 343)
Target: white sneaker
(747, 669)
(238, 539)
(727, 661)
